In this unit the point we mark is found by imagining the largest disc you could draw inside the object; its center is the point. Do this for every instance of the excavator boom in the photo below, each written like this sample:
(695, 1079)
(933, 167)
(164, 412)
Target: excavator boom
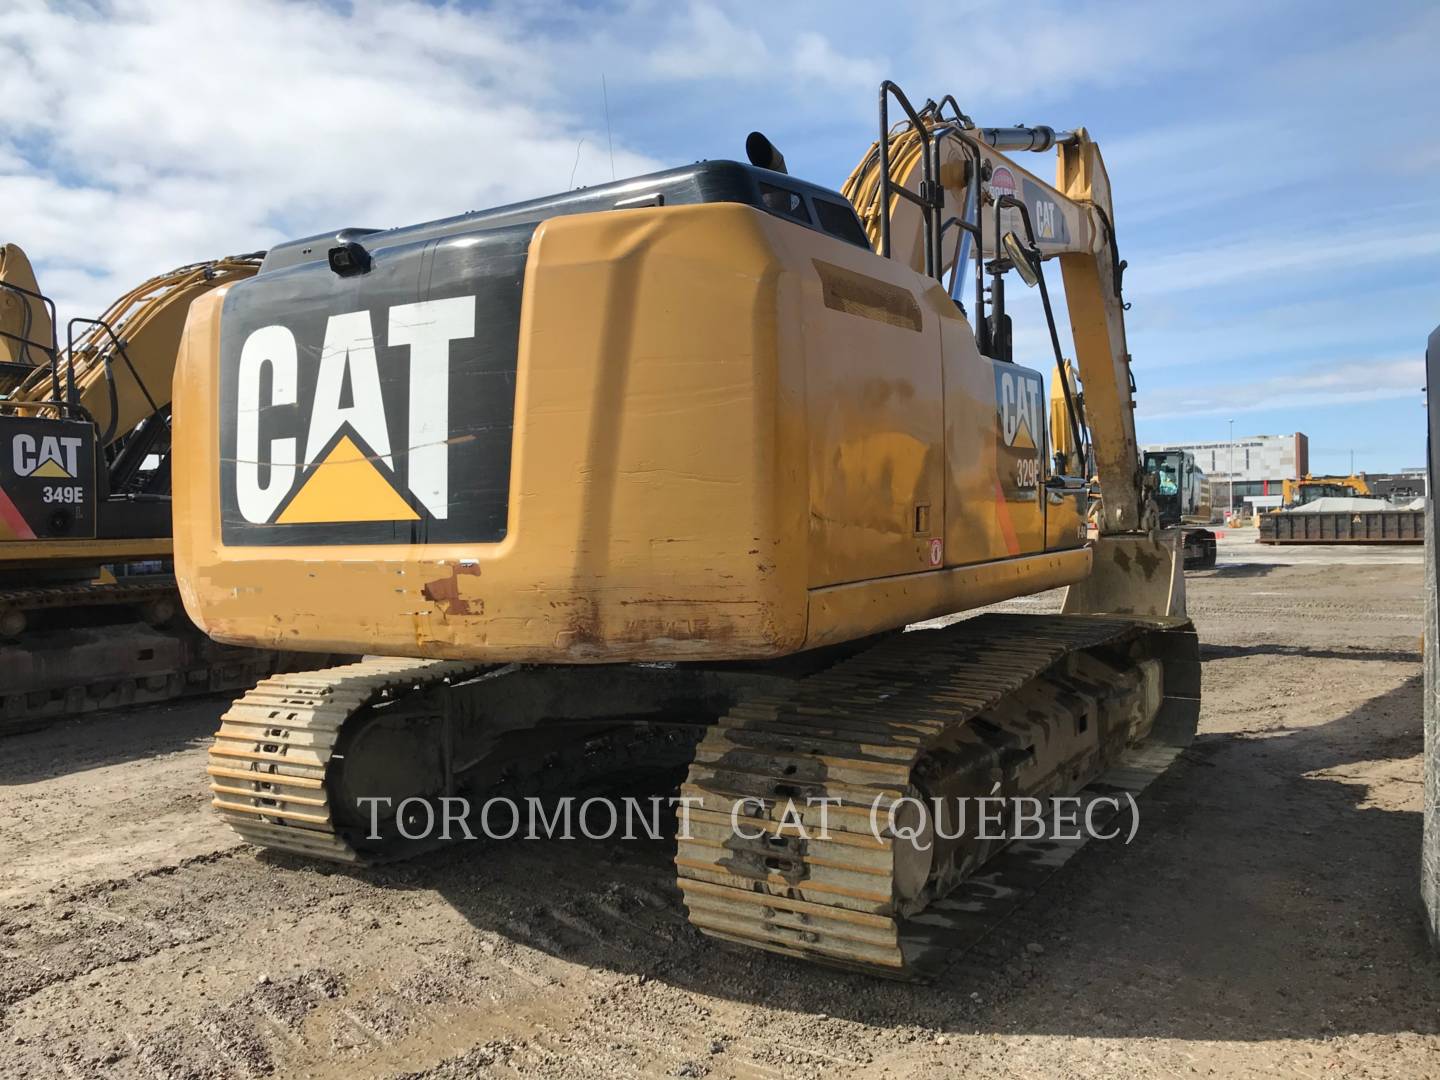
(119, 366)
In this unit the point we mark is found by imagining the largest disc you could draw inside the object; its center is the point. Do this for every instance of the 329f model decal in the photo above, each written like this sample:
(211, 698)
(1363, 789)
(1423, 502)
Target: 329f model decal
(1020, 431)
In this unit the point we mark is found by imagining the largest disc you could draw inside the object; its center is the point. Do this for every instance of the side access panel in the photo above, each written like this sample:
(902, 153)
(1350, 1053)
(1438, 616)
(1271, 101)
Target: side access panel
(875, 415)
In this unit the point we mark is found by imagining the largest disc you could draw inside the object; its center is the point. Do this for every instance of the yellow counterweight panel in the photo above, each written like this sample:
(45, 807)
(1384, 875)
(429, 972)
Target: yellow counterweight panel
(648, 516)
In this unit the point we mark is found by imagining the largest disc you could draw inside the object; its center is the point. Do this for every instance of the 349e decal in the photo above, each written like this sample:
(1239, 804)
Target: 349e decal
(47, 479)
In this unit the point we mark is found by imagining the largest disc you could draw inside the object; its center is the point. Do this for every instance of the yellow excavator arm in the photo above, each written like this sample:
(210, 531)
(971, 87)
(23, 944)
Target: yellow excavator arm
(946, 169)
(1308, 488)
(25, 319)
(117, 368)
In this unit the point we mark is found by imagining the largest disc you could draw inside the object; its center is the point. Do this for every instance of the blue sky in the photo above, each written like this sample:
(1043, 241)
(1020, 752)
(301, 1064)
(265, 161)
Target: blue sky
(1276, 167)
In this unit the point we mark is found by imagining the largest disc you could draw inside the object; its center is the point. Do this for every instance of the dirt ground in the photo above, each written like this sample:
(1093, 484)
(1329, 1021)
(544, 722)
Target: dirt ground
(1264, 922)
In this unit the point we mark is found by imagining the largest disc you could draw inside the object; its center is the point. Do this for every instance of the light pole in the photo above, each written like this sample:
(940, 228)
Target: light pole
(1232, 469)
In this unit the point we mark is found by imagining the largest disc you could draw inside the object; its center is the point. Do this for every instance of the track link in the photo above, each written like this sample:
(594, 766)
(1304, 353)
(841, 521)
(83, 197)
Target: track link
(291, 756)
(74, 653)
(271, 761)
(136, 590)
(997, 704)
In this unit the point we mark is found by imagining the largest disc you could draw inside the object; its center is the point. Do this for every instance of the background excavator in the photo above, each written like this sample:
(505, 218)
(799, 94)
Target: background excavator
(1308, 488)
(1182, 494)
(662, 470)
(89, 614)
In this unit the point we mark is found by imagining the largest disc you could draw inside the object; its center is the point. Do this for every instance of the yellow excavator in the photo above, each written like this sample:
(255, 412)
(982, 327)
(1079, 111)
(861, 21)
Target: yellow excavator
(89, 613)
(663, 470)
(1306, 489)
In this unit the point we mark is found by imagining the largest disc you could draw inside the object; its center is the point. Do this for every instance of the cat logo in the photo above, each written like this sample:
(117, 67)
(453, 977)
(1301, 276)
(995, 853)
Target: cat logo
(377, 408)
(1018, 398)
(1049, 221)
(1020, 431)
(1045, 219)
(347, 471)
(52, 457)
(47, 478)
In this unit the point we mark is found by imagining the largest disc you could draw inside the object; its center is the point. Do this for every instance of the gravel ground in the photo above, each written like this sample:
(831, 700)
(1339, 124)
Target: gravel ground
(1264, 921)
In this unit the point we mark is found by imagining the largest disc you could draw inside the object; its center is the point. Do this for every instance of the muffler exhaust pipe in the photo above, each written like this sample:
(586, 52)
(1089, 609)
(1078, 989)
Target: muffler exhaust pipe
(762, 153)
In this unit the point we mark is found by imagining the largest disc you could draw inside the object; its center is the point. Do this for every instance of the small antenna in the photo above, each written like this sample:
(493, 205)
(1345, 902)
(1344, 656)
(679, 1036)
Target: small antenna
(605, 92)
(578, 145)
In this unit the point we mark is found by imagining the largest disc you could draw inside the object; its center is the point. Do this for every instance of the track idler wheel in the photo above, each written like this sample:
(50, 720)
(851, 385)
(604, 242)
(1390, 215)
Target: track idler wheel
(395, 756)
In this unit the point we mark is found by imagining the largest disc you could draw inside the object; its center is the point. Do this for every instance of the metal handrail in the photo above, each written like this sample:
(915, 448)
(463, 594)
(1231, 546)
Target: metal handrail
(109, 373)
(53, 349)
(1071, 409)
(926, 199)
(972, 205)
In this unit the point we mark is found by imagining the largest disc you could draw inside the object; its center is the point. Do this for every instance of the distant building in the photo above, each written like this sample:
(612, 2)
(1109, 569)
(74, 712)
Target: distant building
(1258, 464)
(1398, 487)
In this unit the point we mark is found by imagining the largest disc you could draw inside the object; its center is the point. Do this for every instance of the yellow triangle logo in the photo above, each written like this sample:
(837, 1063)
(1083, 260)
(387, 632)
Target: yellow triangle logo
(1024, 439)
(346, 486)
(52, 470)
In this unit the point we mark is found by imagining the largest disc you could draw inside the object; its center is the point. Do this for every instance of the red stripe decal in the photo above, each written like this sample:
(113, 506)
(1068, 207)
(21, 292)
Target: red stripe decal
(13, 519)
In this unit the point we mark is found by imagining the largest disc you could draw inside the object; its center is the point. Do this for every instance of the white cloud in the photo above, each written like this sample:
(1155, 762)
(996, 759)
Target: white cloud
(1039, 52)
(159, 131)
(1347, 382)
(704, 41)
(139, 134)
(1276, 256)
(707, 43)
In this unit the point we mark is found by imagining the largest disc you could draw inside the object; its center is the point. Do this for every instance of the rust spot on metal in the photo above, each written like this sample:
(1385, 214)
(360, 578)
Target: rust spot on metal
(452, 594)
(1148, 562)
